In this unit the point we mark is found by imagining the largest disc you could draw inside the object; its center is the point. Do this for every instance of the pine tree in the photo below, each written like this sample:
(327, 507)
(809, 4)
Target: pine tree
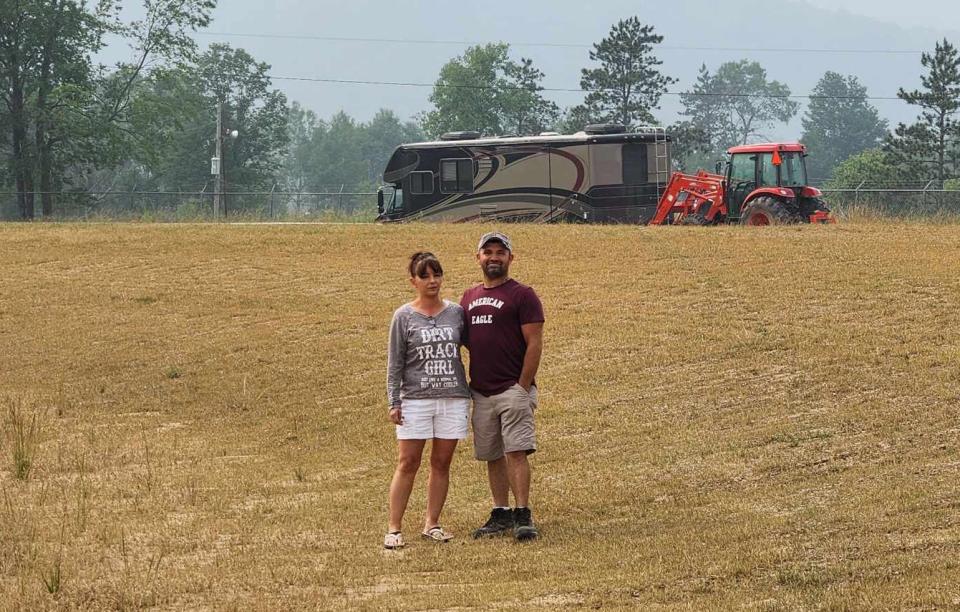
(928, 147)
(627, 86)
(525, 111)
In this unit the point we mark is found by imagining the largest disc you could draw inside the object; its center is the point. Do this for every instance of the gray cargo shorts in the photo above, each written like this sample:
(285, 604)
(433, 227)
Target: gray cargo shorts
(504, 423)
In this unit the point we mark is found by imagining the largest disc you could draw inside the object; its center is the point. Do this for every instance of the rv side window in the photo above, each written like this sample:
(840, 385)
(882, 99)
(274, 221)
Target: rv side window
(635, 164)
(421, 182)
(456, 175)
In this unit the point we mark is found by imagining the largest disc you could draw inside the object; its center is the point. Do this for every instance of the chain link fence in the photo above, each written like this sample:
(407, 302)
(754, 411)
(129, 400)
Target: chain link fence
(918, 200)
(167, 206)
(893, 201)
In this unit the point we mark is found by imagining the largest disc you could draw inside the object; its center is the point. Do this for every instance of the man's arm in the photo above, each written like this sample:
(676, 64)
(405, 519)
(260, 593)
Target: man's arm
(533, 335)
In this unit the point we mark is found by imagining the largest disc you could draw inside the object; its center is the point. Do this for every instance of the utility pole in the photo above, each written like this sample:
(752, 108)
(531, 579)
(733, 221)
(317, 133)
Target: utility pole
(218, 164)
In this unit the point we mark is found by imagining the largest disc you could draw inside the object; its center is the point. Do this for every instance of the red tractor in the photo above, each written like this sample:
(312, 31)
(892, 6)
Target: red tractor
(764, 184)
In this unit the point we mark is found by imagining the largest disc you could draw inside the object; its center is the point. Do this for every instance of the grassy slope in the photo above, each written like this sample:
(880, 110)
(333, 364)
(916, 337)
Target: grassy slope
(762, 418)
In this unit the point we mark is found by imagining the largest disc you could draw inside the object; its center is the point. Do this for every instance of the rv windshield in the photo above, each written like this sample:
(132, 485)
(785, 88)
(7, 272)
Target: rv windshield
(396, 201)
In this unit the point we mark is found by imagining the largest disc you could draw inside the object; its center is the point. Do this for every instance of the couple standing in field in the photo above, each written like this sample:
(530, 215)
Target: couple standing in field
(501, 323)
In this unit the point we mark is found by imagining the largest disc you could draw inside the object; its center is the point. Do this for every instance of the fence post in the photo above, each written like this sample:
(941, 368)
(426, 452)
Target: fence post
(340, 200)
(271, 199)
(200, 199)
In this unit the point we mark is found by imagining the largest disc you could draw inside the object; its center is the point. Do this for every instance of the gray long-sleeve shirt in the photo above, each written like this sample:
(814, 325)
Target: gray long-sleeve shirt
(423, 357)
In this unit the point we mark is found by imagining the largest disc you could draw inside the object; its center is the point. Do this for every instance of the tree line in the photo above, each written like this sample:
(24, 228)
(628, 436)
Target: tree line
(149, 124)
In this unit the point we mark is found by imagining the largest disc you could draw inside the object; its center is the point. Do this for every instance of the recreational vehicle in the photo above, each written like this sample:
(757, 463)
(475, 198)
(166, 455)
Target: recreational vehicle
(602, 174)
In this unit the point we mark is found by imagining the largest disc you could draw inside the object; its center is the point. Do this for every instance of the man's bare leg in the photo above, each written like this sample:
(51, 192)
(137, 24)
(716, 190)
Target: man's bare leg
(499, 482)
(518, 473)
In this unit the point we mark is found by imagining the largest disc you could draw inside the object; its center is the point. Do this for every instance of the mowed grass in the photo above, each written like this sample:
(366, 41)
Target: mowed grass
(764, 419)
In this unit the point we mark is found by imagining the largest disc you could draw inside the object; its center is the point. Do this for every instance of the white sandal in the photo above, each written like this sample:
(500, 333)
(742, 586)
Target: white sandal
(437, 534)
(393, 541)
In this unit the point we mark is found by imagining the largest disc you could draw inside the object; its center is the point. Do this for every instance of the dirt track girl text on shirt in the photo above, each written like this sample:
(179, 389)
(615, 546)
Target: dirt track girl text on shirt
(423, 358)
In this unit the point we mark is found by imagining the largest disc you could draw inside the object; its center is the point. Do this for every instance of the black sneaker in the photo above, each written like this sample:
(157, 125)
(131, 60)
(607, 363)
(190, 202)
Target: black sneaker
(523, 528)
(500, 522)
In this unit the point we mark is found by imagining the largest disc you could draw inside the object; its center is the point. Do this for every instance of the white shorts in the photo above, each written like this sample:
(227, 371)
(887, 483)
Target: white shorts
(445, 418)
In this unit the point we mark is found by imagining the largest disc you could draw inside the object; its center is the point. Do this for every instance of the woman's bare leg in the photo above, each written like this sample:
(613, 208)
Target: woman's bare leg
(408, 462)
(440, 457)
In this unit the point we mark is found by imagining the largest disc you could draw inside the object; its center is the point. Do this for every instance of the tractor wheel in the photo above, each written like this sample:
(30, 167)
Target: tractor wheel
(694, 220)
(766, 211)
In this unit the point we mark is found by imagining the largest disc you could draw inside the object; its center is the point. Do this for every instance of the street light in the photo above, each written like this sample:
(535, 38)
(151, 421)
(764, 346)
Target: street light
(217, 165)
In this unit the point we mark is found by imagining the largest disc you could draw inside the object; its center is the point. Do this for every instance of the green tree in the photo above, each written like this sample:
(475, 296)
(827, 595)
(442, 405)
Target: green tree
(839, 122)
(465, 96)
(484, 90)
(258, 113)
(524, 109)
(163, 46)
(45, 47)
(575, 118)
(340, 153)
(928, 148)
(690, 147)
(734, 105)
(182, 124)
(304, 132)
(63, 111)
(707, 119)
(340, 161)
(251, 106)
(155, 134)
(627, 86)
(381, 136)
(870, 168)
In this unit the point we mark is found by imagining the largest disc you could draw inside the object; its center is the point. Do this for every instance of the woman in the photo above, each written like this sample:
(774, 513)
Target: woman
(427, 394)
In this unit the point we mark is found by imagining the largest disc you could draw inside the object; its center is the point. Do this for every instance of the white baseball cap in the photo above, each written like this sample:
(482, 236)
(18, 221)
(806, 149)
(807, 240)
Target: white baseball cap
(494, 237)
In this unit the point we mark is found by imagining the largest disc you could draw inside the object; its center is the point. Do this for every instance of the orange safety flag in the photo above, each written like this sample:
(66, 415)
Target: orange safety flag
(776, 158)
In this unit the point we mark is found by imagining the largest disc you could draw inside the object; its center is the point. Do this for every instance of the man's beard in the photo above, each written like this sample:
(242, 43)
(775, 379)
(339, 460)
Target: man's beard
(495, 270)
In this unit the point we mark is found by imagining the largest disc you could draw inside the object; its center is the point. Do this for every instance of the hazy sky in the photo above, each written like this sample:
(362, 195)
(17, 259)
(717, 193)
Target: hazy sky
(296, 38)
(919, 13)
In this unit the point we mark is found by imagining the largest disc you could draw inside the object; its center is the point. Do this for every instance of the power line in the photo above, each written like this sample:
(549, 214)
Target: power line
(383, 40)
(571, 90)
(550, 44)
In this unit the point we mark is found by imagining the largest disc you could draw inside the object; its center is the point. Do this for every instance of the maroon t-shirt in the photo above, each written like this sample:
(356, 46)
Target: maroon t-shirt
(493, 320)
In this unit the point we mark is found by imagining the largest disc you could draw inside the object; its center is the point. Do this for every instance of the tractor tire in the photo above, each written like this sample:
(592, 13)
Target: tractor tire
(694, 220)
(767, 211)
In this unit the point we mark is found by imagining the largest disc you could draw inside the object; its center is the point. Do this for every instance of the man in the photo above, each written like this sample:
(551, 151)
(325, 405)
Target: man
(504, 324)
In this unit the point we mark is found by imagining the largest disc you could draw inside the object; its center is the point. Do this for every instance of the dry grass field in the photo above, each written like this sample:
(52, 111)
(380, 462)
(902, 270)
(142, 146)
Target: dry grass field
(194, 418)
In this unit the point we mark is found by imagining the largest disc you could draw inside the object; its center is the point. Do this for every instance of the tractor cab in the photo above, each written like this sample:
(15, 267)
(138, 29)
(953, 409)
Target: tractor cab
(767, 167)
